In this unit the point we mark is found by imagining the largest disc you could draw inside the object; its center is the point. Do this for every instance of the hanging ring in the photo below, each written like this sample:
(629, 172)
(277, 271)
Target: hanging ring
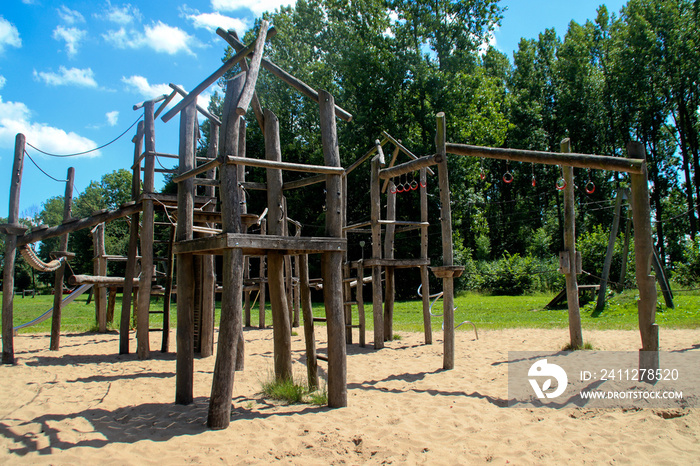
(533, 181)
(482, 175)
(414, 185)
(507, 177)
(590, 187)
(423, 185)
(561, 184)
(399, 188)
(392, 190)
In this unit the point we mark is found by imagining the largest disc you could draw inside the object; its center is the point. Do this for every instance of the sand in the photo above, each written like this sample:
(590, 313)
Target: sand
(85, 404)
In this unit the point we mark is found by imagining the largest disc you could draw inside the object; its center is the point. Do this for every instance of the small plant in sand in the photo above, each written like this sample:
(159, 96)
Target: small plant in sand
(586, 346)
(396, 337)
(291, 391)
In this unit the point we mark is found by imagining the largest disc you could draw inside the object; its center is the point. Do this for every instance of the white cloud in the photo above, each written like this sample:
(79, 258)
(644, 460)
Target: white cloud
(212, 21)
(64, 77)
(9, 35)
(112, 118)
(72, 36)
(122, 15)
(70, 16)
(159, 36)
(15, 118)
(2, 81)
(256, 6)
(141, 86)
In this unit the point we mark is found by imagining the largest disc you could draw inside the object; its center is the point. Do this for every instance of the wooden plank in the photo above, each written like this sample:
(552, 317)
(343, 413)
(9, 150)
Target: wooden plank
(568, 159)
(308, 317)
(575, 332)
(230, 63)
(255, 245)
(308, 181)
(205, 167)
(272, 164)
(283, 75)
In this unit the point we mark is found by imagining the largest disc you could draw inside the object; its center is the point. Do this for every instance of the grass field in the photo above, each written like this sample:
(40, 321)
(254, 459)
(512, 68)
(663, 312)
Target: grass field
(487, 312)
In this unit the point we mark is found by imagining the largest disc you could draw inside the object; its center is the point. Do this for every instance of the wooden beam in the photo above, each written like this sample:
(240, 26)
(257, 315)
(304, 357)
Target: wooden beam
(276, 164)
(230, 63)
(403, 148)
(411, 166)
(598, 162)
(214, 120)
(288, 78)
(362, 159)
(253, 70)
(58, 278)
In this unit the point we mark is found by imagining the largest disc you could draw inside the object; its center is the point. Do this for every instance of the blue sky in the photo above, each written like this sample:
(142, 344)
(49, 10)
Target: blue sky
(70, 72)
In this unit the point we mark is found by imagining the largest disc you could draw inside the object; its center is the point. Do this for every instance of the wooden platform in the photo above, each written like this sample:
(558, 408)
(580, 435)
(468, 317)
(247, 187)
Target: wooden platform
(256, 245)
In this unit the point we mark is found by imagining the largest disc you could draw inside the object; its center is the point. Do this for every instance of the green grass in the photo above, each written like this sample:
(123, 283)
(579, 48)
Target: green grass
(292, 392)
(487, 312)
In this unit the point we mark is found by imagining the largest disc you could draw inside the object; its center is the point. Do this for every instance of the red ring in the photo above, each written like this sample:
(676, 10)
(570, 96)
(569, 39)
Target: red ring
(423, 185)
(414, 185)
(533, 182)
(508, 177)
(482, 175)
(399, 188)
(561, 187)
(590, 187)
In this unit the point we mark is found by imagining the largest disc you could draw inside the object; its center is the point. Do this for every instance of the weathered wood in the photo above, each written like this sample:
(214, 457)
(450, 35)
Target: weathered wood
(167, 294)
(184, 381)
(308, 181)
(8, 350)
(273, 164)
(307, 312)
(447, 251)
(575, 332)
(643, 252)
(331, 263)
(101, 280)
(359, 297)
(410, 166)
(162, 106)
(208, 263)
(111, 302)
(375, 215)
(347, 303)
(362, 159)
(144, 297)
(230, 326)
(100, 270)
(58, 279)
(389, 287)
(424, 274)
(599, 162)
(662, 279)
(130, 270)
(394, 155)
(390, 291)
(284, 76)
(403, 148)
(212, 118)
(263, 279)
(253, 70)
(80, 224)
(255, 103)
(230, 63)
(602, 291)
(205, 167)
(155, 101)
(275, 260)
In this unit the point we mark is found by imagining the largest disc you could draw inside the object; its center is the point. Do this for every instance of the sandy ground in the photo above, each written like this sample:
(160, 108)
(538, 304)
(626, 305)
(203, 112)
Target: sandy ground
(85, 404)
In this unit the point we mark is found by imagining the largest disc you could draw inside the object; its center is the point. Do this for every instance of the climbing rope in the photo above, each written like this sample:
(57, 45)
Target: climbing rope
(36, 263)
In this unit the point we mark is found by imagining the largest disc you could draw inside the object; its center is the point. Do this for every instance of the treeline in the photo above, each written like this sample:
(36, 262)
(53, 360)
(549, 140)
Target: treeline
(628, 75)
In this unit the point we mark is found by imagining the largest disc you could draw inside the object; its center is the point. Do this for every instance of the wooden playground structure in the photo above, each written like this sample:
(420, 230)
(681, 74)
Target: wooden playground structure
(217, 223)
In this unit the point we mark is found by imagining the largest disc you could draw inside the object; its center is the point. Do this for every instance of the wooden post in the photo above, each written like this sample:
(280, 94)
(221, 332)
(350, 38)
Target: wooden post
(575, 333)
(130, 272)
(643, 252)
(167, 295)
(361, 300)
(390, 288)
(242, 208)
(448, 360)
(58, 280)
(262, 275)
(424, 278)
(347, 302)
(307, 311)
(100, 270)
(144, 297)
(375, 215)
(8, 283)
(331, 262)
(609, 252)
(185, 279)
(275, 272)
(230, 326)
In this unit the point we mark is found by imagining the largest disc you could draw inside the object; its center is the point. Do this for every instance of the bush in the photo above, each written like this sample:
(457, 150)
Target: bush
(515, 275)
(687, 273)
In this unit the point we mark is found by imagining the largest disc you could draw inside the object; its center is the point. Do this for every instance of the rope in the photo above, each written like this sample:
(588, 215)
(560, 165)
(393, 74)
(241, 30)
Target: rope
(32, 259)
(91, 150)
(42, 170)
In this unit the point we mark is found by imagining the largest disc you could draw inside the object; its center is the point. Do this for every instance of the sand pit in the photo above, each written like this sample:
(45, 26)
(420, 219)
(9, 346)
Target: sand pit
(87, 405)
